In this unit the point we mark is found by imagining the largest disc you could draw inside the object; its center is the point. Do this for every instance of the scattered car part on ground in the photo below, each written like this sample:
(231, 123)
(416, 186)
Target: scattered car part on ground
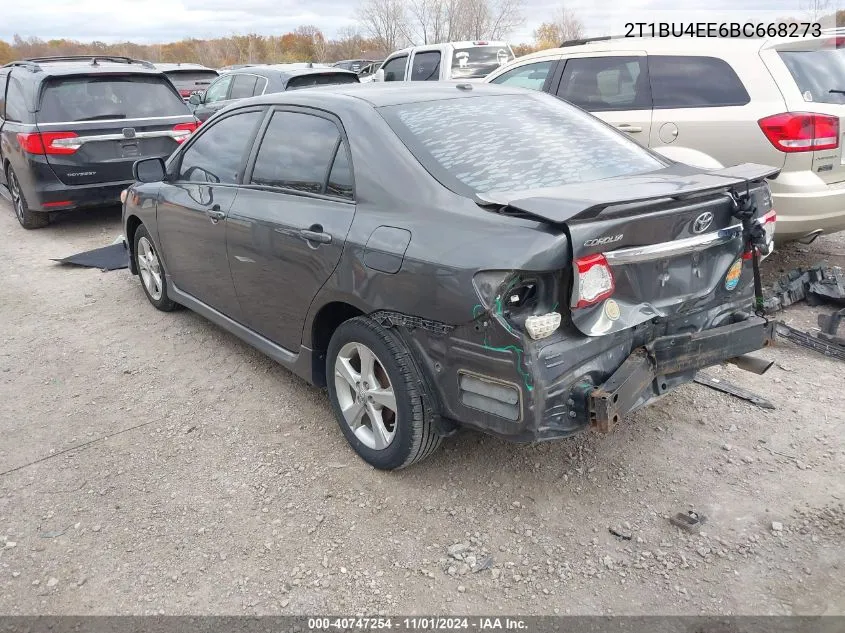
(72, 127)
(309, 224)
(719, 384)
(805, 339)
(689, 521)
(112, 257)
(253, 81)
(829, 327)
(679, 95)
(817, 284)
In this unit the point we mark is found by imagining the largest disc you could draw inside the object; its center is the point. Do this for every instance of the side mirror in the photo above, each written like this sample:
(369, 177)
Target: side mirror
(195, 98)
(379, 75)
(148, 170)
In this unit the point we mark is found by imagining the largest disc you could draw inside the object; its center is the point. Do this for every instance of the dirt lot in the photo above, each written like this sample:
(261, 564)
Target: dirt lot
(181, 472)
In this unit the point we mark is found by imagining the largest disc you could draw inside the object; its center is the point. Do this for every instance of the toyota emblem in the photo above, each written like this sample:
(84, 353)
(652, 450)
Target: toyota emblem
(702, 222)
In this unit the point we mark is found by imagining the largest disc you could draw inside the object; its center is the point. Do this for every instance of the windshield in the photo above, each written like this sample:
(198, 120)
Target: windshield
(514, 142)
(479, 61)
(108, 97)
(819, 74)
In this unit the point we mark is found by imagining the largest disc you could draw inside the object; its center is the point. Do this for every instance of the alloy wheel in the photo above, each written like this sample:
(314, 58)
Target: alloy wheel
(17, 197)
(365, 395)
(149, 268)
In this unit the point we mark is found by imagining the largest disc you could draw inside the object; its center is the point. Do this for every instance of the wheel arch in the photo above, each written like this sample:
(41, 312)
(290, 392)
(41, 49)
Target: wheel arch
(323, 325)
(132, 224)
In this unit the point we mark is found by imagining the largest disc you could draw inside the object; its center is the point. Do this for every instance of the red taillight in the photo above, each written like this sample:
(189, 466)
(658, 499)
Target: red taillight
(59, 203)
(801, 131)
(185, 93)
(183, 130)
(595, 280)
(48, 142)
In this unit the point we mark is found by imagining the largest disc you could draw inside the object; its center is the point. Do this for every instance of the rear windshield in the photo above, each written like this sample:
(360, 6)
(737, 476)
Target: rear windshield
(93, 98)
(479, 61)
(819, 74)
(321, 79)
(514, 142)
(195, 79)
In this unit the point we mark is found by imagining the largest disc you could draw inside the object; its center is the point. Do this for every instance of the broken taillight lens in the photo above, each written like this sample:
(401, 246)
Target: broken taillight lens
(594, 279)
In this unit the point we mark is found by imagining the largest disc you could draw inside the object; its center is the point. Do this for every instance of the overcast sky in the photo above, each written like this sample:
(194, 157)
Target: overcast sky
(151, 21)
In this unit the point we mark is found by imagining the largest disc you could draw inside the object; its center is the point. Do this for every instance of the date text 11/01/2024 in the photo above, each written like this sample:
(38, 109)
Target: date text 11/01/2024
(417, 623)
(723, 29)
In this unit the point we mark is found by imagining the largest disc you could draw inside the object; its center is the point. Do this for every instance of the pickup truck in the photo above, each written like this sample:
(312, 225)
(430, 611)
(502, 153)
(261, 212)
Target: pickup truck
(471, 61)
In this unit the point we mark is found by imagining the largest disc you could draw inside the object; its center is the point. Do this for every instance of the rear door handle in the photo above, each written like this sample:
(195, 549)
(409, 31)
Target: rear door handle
(631, 129)
(315, 234)
(215, 214)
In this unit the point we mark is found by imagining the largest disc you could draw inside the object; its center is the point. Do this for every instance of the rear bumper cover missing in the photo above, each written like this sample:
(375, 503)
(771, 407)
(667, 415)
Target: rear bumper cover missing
(647, 366)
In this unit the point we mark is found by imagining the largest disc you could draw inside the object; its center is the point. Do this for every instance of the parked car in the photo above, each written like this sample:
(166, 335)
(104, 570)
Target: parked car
(368, 72)
(259, 80)
(775, 101)
(355, 65)
(469, 61)
(189, 78)
(71, 128)
(581, 275)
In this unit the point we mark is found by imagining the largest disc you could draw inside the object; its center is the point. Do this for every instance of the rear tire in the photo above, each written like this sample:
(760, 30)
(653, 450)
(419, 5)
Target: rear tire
(375, 390)
(27, 219)
(151, 270)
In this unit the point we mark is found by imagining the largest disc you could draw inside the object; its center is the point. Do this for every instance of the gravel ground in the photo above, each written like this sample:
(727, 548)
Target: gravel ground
(152, 463)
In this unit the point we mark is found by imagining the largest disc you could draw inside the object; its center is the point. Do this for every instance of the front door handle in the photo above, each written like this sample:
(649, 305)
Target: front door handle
(631, 129)
(315, 235)
(215, 214)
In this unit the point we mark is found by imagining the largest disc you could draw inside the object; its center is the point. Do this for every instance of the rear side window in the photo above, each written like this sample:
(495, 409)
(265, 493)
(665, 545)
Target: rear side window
(16, 109)
(217, 155)
(94, 98)
(394, 70)
(260, 85)
(479, 61)
(296, 153)
(243, 86)
(426, 66)
(513, 142)
(321, 79)
(679, 81)
(601, 84)
(819, 75)
(531, 76)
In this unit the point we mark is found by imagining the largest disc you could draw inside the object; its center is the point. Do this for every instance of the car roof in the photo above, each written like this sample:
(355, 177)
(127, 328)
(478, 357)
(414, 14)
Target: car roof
(286, 71)
(170, 67)
(88, 65)
(467, 44)
(378, 94)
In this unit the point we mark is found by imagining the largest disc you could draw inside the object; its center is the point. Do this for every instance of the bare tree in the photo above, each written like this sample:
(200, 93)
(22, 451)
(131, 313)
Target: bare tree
(505, 16)
(386, 21)
(815, 9)
(565, 26)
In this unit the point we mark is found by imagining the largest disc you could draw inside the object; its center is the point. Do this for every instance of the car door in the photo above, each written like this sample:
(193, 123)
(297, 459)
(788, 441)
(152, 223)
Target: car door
(215, 98)
(614, 87)
(201, 186)
(287, 228)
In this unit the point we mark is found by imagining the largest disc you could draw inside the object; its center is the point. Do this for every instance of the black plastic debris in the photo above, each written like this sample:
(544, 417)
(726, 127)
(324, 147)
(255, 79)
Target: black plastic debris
(818, 284)
(113, 257)
(623, 534)
(805, 339)
(689, 521)
(729, 388)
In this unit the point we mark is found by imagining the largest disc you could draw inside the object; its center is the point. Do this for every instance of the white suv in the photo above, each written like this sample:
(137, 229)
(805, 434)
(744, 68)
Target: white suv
(716, 102)
(467, 61)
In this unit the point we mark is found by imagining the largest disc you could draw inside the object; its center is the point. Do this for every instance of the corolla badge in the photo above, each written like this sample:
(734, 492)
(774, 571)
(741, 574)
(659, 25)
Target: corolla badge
(734, 273)
(608, 239)
(702, 222)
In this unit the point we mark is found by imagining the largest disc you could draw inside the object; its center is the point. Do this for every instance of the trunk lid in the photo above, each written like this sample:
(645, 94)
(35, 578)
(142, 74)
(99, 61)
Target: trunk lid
(669, 239)
(102, 124)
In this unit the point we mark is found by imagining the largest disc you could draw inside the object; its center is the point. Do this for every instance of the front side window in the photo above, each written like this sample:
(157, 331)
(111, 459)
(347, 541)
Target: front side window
(426, 66)
(243, 86)
(514, 142)
(601, 84)
(531, 76)
(296, 153)
(218, 90)
(218, 153)
(679, 81)
(394, 70)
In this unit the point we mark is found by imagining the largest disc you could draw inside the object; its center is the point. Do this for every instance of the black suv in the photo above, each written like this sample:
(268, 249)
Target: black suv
(72, 127)
(258, 80)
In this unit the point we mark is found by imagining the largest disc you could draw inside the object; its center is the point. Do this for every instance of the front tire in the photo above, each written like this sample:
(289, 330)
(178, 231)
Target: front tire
(375, 390)
(151, 270)
(27, 219)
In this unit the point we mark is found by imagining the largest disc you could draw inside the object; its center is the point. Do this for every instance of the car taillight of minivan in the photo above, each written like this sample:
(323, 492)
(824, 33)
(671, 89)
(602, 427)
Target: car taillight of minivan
(48, 142)
(183, 130)
(801, 131)
(595, 280)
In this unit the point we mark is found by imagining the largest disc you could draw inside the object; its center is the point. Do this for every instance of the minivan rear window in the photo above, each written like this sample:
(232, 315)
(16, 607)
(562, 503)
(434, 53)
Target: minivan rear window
(479, 61)
(819, 74)
(92, 98)
(514, 142)
(322, 79)
(191, 80)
